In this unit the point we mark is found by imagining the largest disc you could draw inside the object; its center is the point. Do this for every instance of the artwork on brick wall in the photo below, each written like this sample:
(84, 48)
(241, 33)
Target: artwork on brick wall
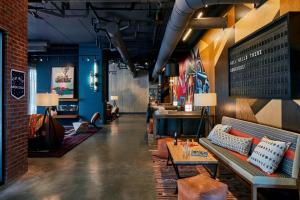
(17, 84)
(63, 81)
(192, 79)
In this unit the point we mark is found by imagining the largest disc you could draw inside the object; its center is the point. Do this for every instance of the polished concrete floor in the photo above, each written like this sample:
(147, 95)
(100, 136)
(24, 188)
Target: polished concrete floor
(113, 164)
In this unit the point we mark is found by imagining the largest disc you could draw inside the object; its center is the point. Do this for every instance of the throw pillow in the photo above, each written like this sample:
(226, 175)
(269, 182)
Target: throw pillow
(218, 128)
(238, 144)
(268, 154)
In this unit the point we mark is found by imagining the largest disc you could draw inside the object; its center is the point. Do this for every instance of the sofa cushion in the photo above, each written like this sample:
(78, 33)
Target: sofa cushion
(241, 145)
(268, 154)
(219, 128)
(250, 172)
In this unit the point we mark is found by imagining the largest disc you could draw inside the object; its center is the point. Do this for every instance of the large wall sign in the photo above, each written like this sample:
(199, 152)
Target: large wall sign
(17, 84)
(260, 66)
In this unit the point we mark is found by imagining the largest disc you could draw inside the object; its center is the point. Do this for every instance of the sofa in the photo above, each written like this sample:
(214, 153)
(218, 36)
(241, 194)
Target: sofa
(286, 176)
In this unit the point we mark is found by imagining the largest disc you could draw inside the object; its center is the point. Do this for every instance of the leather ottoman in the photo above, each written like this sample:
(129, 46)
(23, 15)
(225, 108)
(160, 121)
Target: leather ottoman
(162, 150)
(201, 187)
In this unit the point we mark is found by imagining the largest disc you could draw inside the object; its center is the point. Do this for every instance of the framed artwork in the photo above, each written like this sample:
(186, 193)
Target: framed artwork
(17, 84)
(63, 81)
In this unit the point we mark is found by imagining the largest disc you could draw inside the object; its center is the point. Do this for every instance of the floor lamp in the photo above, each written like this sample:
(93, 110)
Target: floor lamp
(48, 100)
(114, 99)
(204, 100)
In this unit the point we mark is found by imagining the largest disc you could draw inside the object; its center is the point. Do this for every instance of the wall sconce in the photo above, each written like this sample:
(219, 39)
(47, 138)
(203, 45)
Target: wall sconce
(94, 77)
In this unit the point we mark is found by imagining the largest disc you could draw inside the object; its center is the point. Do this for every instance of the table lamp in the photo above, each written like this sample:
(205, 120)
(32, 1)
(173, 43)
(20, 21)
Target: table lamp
(48, 100)
(204, 100)
(114, 99)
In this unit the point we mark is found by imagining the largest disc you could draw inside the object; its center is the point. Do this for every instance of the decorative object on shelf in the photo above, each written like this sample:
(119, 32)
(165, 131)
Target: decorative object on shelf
(188, 107)
(94, 83)
(63, 81)
(48, 100)
(114, 99)
(205, 100)
(17, 84)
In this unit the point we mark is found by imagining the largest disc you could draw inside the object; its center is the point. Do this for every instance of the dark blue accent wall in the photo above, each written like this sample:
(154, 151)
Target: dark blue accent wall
(44, 71)
(89, 100)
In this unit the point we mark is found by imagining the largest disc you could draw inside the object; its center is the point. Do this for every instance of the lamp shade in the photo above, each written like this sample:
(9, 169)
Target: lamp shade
(172, 70)
(114, 98)
(47, 99)
(205, 99)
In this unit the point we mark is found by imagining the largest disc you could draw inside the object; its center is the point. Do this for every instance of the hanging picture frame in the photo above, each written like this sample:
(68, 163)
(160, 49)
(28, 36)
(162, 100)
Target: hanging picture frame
(17, 84)
(63, 81)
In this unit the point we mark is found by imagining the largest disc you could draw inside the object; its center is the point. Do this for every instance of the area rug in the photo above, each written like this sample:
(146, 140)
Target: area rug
(71, 140)
(165, 180)
(165, 183)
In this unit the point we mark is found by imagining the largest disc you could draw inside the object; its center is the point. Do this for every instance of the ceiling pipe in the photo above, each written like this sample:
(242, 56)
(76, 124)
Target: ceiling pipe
(182, 13)
(208, 23)
(116, 39)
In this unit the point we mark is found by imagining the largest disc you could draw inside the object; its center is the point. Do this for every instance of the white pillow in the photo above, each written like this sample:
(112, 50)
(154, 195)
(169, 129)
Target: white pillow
(241, 145)
(268, 154)
(218, 128)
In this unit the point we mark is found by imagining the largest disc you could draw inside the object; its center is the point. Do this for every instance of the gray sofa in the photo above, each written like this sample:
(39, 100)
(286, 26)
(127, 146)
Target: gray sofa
(286, 175)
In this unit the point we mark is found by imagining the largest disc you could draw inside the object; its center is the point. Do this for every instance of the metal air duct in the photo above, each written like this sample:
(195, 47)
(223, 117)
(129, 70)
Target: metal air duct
(208, 23)
(116, 39)
(182, 13)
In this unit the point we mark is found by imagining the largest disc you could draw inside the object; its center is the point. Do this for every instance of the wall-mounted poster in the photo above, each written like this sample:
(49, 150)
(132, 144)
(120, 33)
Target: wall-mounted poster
(63, 81)
(17, 84)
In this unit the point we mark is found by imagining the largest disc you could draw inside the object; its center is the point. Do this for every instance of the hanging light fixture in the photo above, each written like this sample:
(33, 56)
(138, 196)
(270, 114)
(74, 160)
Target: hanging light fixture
(94, 77)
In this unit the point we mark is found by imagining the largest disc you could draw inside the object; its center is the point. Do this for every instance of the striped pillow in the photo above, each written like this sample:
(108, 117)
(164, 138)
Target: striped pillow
(268, 154)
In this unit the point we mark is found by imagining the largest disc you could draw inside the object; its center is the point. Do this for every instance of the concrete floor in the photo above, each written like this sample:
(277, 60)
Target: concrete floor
(112, 164)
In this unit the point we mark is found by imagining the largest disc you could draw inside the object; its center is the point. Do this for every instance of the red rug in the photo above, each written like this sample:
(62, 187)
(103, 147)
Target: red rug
(70, 141)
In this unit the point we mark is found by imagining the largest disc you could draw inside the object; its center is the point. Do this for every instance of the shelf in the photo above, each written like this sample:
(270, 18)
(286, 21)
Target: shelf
(68, 100)
(66, 116)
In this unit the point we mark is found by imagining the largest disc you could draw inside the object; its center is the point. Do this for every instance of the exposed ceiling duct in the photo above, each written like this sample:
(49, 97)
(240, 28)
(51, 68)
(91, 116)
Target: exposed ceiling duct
(116, 39)
(208, 22)
(37, 46)
(182, 13)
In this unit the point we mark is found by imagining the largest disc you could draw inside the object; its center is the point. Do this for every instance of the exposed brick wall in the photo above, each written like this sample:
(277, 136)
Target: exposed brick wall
(13, 21)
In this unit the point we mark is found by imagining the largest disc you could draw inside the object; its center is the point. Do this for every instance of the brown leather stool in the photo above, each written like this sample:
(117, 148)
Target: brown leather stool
(201, 187)
(162, 150)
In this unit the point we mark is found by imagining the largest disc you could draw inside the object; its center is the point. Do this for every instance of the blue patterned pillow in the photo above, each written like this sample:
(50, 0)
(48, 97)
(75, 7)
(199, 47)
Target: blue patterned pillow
(217, 129)
(239, 144)
(268, 154)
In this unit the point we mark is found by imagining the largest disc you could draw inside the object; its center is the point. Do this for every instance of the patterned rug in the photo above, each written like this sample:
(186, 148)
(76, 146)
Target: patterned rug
(165, 182)
(71, 140)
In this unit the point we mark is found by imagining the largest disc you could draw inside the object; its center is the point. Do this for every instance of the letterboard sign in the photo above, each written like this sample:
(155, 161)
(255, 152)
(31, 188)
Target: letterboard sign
(17, 84)
(259, 65)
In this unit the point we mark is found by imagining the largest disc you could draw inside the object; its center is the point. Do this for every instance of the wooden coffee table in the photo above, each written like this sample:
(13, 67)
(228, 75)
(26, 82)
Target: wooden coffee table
(177, 158)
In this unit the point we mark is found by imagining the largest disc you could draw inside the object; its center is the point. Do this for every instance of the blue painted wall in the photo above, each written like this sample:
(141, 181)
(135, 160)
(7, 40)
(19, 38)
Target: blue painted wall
(44, 71)
(89, 100)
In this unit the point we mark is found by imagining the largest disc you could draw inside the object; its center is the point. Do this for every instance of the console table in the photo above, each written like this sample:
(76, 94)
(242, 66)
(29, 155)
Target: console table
(179, 115)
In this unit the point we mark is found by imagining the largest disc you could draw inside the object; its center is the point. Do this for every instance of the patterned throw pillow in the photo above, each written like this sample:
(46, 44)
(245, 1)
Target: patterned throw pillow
(218, 128)
(268, 154)
(239, 144)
